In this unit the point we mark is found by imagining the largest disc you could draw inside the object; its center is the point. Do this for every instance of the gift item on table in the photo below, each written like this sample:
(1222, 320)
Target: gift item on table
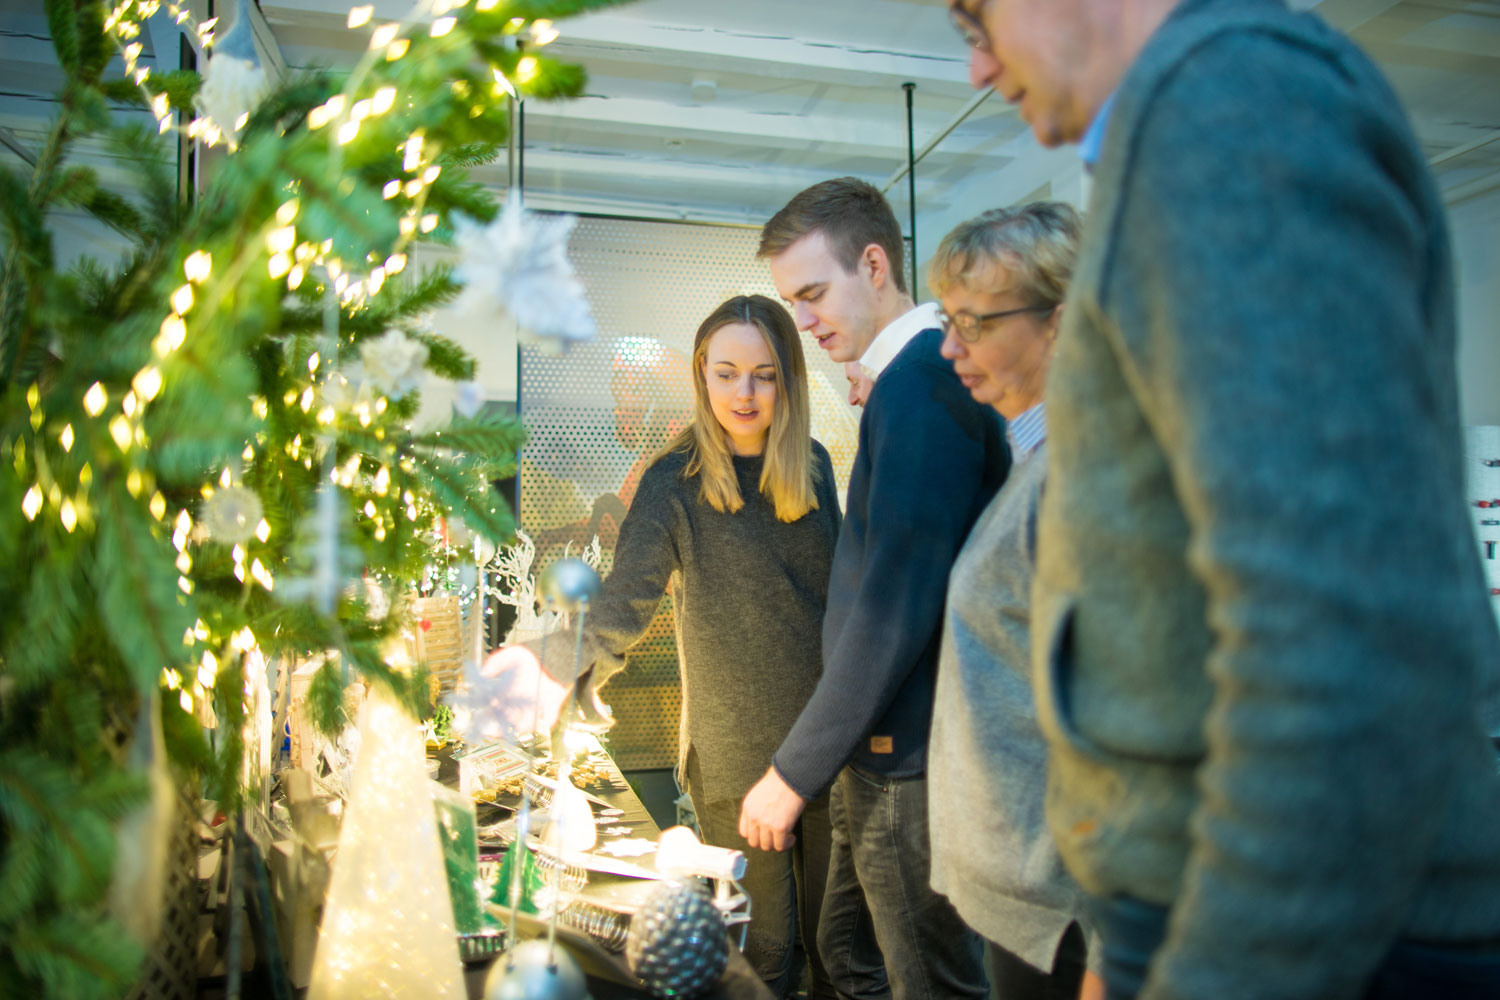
(680, 854)
(677, 943)
(299, 724)
(522, 889)
(484, 771)
(388, 924)
(567, 825)
(457, 832)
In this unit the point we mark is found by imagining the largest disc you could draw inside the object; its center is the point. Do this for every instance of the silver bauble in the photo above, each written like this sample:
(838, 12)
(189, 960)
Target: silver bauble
(231, 515)
(533, 971)
(568, 584)
(677, 943)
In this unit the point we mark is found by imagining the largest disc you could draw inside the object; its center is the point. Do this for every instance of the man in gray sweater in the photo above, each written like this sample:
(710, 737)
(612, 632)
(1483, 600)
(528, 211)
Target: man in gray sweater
(1262, 653)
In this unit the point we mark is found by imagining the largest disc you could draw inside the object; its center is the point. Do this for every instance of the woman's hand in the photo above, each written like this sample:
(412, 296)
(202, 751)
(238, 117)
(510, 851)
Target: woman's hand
(519, 697)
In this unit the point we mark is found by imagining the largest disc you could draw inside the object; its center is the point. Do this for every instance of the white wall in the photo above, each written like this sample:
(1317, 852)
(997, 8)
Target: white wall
(1475, 224)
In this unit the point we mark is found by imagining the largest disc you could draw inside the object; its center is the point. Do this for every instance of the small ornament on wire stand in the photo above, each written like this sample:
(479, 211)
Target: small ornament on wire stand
(539, 970)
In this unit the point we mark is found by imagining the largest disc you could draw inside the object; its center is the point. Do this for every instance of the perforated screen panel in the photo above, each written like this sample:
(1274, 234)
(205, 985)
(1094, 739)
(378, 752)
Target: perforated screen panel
(598, 413)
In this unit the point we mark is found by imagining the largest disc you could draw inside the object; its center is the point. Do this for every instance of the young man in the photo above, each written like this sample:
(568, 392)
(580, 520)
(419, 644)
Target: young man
(929, 460)
(1262, 653)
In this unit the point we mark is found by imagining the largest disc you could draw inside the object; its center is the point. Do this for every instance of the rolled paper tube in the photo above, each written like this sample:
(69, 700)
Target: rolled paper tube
(680, 853)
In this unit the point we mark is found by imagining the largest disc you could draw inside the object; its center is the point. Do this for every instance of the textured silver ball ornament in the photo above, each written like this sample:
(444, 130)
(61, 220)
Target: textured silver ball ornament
(677, 943)
(534, 971)
(568, 584)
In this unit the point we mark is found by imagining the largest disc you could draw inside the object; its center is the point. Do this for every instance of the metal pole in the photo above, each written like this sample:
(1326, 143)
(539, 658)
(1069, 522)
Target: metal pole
(911, 182)
(512, 106)
(942, 133)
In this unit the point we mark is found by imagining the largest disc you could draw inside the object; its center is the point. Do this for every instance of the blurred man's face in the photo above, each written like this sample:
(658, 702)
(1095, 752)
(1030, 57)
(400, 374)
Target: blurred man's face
(1036, 54)
(860, 384)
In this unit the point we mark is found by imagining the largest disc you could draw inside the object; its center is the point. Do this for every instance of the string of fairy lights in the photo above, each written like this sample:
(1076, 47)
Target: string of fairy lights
(290, 256)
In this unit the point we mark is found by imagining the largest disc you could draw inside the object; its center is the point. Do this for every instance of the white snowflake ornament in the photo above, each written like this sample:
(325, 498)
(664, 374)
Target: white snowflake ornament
(394, 363)
(231, 89)
(519, 264)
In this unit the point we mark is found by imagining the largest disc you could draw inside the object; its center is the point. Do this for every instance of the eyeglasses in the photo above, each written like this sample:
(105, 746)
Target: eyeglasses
(969, 327)
(968, 27)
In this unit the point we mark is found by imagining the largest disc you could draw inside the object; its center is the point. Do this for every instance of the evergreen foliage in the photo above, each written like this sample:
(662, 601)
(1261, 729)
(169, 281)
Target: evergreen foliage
(134, 395)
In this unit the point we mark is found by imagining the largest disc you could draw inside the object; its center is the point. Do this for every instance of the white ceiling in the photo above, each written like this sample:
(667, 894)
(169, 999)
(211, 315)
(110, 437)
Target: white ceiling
(794, 91)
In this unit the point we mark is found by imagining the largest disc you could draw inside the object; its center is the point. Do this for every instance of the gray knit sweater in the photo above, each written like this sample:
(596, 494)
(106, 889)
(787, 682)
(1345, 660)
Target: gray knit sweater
(749, 593)
(1263, 657)
(992, 854)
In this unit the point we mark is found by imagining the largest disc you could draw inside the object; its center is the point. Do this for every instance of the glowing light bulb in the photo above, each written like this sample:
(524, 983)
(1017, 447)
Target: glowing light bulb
(542, 31)
(31, 503)
(147, 382)
(197, 266)
(119, 429)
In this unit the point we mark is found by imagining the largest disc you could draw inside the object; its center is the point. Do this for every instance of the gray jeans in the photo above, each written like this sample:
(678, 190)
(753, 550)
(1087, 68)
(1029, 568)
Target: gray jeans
(882, 859)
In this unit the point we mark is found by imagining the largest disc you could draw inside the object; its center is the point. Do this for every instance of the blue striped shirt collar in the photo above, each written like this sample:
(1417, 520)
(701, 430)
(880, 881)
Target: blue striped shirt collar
(1026, 432)
(1092, 143)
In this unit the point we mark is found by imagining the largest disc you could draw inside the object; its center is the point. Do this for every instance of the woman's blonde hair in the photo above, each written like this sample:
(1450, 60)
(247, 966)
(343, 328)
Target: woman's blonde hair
(788, 477)
(1036, 243)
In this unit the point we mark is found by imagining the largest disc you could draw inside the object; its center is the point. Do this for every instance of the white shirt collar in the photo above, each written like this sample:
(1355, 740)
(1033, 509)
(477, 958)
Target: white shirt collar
(897, 334)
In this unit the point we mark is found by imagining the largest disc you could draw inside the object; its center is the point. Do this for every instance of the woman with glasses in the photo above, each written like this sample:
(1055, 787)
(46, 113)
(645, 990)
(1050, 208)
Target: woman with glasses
(1001, 279)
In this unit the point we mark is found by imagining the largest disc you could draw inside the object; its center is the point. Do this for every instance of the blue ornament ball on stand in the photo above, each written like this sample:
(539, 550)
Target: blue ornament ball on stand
(568, 584)
(677, 943)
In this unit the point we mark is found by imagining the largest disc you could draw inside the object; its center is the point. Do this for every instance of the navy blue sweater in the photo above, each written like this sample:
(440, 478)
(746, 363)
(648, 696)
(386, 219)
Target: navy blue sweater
(930, 459)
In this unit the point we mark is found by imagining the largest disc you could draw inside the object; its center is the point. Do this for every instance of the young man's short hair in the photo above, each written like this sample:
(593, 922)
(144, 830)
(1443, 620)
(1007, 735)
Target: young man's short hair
(850, 213)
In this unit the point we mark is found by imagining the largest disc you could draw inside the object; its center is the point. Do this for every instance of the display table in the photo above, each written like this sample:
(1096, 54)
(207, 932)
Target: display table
(627, 819)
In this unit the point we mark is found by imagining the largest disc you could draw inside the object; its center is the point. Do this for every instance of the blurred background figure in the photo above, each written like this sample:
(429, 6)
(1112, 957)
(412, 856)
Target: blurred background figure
(860, 383)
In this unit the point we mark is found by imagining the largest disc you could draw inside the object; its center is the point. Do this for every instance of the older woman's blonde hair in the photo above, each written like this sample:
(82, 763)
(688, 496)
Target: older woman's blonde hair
(1036, 243)
(788, 477)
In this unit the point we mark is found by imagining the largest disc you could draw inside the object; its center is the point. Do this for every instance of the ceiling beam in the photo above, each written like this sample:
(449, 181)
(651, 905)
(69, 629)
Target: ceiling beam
(1349, 15)
(774, 55)
(685, 177)
(856, 135)
(1468, 147)
(634, 39)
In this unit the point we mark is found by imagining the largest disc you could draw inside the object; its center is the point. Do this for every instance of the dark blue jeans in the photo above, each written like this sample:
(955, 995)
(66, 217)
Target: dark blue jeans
(1132, 931)
(881, 866)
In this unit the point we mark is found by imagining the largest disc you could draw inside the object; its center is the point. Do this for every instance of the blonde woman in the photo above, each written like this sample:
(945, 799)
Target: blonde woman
(737, 518)
(1002, 278)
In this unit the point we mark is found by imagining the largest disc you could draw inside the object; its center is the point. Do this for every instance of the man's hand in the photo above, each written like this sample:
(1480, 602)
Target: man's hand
(770, 811)
(1092, 987)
